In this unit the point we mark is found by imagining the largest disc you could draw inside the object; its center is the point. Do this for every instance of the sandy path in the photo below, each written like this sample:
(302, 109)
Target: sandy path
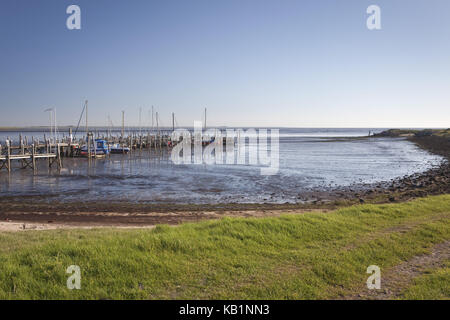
(21, 227)
(89, 220)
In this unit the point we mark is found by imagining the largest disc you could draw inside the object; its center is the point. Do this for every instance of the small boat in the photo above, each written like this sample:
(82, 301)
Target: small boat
(118, 149)
(100, 150)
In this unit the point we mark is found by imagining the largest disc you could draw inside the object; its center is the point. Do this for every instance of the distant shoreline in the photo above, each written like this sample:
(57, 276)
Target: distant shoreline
(67, 127)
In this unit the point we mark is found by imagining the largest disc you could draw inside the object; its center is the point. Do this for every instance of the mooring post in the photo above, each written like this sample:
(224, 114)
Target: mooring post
(130, 139)
(47, 151)
(8, 155)
(89, 146)
(58, 156)
(95, 147)
(20, 143)
(69, 143)
(33, 155)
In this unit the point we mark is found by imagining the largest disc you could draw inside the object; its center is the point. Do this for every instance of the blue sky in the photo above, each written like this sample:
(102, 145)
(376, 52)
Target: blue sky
(250, 62)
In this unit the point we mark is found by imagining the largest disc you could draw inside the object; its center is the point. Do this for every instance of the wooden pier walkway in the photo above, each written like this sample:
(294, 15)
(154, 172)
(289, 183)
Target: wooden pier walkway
(28, 155)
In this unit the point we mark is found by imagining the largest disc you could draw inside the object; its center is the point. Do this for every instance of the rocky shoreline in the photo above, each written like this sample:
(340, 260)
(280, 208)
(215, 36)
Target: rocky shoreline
(431, 182)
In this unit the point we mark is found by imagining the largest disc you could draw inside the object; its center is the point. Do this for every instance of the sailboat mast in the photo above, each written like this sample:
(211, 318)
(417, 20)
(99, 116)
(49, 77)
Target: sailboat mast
(123, 124)
(153, 116)
(157, 123)
(86, 109)
(140, 123)
(173, 121)
(54, 121)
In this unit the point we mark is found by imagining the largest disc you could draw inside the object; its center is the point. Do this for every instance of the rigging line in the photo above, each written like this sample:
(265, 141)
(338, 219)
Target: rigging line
(79, 121)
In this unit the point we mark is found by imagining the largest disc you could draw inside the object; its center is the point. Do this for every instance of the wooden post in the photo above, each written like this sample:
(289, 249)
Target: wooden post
(70, 136)
(33, 155)
(95, 147)
(131, 144)
(47, 151)
(58, 156)
(89, 146)
(8, 155)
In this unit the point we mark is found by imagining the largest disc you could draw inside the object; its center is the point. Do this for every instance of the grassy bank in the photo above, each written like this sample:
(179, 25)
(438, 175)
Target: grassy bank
(315, 255)
(434, 284)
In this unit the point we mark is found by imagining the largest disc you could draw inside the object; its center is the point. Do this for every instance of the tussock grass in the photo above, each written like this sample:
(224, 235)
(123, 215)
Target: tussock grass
(308, 256)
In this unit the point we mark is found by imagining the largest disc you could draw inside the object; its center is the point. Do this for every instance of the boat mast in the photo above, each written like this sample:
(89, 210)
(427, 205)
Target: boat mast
(157, 123)
(123, 124)
(86, 109)
(54, 121)
(173, 121)
(50, 112)
(140, 123)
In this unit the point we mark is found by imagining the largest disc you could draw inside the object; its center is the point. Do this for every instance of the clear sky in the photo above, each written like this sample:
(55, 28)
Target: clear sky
(250, 62)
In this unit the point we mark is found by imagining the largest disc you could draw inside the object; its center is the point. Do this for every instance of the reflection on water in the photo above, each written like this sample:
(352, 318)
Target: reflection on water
(306, 163)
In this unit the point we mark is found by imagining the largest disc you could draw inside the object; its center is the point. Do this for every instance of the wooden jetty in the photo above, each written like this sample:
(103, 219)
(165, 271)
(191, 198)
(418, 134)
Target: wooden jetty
(54, 149)
(27, 155)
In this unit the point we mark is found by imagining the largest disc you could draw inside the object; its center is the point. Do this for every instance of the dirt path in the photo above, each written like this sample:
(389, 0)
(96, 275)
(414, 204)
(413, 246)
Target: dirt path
(89, 220)
(20, 227)
(398, 278)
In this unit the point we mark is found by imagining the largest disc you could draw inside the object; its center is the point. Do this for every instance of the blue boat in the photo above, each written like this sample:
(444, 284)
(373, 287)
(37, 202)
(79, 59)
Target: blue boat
(101, 148)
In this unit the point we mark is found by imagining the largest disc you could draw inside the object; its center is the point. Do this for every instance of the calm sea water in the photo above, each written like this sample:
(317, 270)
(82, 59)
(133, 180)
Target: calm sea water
(310, 159)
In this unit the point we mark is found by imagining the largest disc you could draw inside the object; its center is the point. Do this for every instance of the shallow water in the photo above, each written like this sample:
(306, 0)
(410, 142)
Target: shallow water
(309, 160)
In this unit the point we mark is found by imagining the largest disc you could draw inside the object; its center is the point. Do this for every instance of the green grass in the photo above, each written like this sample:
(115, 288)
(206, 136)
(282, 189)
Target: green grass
(431, 286)
(309, 256)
